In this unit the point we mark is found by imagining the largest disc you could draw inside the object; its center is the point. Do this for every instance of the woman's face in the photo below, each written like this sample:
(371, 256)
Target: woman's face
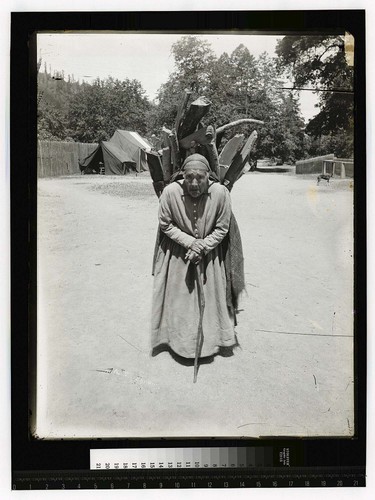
(196, 182)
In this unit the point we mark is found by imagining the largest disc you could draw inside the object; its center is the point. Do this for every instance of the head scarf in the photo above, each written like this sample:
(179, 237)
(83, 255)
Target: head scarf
(197, 162)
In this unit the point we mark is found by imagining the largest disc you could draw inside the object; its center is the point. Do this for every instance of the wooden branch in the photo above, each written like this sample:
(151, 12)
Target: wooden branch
(197, 110)
(158, 187)
(175, 153)
(230, 149)
(223, 128)
(239, 161)
(165, 136)
(167, 164)
(213, 156)
(200, 136)
(182, 109)
(220, 131)
(155, 166)
(156, 172)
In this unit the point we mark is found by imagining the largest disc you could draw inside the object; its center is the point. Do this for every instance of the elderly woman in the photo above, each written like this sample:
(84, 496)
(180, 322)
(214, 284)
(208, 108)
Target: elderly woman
(194, 218)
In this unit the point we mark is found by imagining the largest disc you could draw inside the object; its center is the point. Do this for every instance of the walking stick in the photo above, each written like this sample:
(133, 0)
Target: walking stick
(201, 303)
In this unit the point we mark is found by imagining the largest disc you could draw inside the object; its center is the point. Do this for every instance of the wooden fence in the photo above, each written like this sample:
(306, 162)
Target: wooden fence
(312, 165)
(339, 167)
(61, 158)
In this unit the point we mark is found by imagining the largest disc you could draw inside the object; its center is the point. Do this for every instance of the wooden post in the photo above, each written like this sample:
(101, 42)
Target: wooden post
(343, 172)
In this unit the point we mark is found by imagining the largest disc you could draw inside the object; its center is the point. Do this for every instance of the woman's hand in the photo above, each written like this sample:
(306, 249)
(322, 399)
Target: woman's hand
(194, 257)
(198, 246)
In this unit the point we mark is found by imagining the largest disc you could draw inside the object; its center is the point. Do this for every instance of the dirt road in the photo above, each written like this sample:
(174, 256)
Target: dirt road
(292, 373)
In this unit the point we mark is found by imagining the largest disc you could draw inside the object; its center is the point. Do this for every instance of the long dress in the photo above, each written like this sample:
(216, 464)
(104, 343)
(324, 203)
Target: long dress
(175, 311)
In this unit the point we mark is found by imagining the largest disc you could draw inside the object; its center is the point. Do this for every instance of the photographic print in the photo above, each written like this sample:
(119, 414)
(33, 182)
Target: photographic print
(195, 235)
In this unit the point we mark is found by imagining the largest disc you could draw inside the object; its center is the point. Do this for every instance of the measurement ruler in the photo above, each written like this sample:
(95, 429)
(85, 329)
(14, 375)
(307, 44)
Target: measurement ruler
(173, 479)
(181, 458)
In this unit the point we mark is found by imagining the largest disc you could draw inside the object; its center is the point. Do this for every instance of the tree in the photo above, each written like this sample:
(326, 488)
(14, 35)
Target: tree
(239, 86)
(320, 61)
(243, 86)
(193, 58)
(99, 109)
(51, 124)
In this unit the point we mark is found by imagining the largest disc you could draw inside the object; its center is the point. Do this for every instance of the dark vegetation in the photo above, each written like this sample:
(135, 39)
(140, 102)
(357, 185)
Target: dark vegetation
(239, 85)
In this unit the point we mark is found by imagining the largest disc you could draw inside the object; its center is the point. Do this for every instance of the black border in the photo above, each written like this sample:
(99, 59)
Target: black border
(30, 454)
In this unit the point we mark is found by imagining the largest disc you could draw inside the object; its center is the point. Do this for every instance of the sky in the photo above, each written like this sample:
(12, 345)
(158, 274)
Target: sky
(144, 57)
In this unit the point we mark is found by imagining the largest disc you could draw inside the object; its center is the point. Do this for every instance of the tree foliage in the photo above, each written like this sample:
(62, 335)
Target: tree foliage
(193, 58)
(320, 61)
(240, 86)
(106, 105)
(89, 113)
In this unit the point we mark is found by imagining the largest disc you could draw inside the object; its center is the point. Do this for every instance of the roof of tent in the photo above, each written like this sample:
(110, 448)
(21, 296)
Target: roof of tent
(117, 152)
(133, 137)
(134, 145)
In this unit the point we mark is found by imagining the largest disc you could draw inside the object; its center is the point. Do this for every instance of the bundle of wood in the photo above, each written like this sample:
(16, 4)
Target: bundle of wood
(189, 135)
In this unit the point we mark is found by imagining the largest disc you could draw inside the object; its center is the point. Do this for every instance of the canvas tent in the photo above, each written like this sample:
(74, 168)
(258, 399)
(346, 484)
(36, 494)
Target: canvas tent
(134, 145)
(125, 151)
(115, 160)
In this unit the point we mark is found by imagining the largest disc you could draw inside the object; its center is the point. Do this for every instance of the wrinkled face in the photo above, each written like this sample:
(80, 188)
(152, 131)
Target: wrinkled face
(196, 182)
